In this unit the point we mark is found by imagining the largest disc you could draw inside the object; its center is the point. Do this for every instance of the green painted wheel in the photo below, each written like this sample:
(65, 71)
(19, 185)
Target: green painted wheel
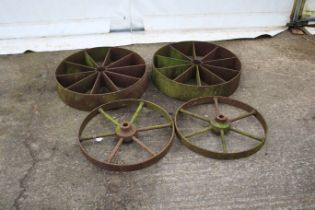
(220, 127)
(187, 70)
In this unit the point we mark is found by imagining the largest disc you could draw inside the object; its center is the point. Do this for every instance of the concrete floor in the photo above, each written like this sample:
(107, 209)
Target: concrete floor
(41, 166)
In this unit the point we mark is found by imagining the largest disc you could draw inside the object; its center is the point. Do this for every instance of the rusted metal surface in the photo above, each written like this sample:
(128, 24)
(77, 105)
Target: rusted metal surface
(187, 70)
(220, 125)
(127, 132)
(95, 76)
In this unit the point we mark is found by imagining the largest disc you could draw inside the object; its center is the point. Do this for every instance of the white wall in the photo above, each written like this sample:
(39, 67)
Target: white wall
(70, 24)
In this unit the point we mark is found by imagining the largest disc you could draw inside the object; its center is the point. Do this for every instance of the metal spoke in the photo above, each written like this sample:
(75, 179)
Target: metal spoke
(223, 141)
(136, 113)
(80, 66)
(115, 150)
(122, 80)
(96, 85)
(198, 132)
(185, 75)
(109, 117)
(106, 59)
(209, 54)
(89, 60)
(216, 106)
(210, 66)
(194, 115)
(99, 136)
(198, 76)
(247, 114)
(152, 127)
(244, 133)
(138, 141)
(180, 52)
(132, 70)
(194, 50)
(109, 83)
(211, 74)
(83, 81)
(120, 61)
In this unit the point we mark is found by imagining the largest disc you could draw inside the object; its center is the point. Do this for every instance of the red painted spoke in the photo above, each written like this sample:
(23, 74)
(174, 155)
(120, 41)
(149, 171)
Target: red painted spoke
(115, 150)
(145, 147)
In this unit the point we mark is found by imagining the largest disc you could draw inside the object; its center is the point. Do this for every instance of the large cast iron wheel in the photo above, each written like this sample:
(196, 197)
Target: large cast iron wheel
(94, 76)
(126, 134)
(187, 70)
(221, 126)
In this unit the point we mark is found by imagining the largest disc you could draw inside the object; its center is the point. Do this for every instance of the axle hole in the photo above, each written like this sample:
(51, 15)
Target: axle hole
(125, 124)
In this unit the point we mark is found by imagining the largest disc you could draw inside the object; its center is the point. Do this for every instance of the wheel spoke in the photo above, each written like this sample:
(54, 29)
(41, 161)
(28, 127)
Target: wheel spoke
(107, 56)
(222, 72)
(133, 70)
(96, 85)
(163, 61)
(216, 106)
(145, 147)
(244, 133)
(194, 50)
(223, 141)
(185, 75)
(115, 150)
(210, 54)
(123, 61)
(108, 116)
(121, 80)
(99, 136)
(194, 115)
(247, 114)
(198, 132)
(136, 113)
(173, 71)
(81, 67)
(89, 60)
(224, 62)
(109, 83)
(68, 79)
(198, 76)
(152, 127)
(84, 84)
(210, 77)
(182, 55)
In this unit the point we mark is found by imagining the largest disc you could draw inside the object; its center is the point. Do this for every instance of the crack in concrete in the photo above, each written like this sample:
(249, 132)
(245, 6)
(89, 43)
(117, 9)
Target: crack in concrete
(23, 180)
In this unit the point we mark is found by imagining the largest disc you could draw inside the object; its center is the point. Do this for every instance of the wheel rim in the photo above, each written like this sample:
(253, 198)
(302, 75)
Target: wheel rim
(221, 125)
(95, 76)
(187, 70)
(126, 132)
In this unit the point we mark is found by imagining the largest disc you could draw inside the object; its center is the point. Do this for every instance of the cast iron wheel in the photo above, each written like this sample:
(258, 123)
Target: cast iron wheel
(125, 133)
(95, 76)
(187, 70)
(220, 126)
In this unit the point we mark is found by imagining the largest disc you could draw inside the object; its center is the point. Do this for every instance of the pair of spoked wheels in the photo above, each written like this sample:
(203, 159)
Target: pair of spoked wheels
(133, 141)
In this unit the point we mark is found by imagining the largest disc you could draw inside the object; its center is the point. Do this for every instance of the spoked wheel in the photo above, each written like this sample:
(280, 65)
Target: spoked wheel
(94, 76)
(131, 141)
(219, 133)
(186, 70)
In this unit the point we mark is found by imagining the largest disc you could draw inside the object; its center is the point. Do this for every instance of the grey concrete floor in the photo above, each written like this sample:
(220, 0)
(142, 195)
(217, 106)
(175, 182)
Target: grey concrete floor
(41, 166)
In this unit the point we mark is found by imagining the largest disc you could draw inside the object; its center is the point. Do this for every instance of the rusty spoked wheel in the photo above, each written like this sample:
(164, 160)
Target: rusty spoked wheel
(220, 119)
(95, 76)
(128, 141)
(187, 70)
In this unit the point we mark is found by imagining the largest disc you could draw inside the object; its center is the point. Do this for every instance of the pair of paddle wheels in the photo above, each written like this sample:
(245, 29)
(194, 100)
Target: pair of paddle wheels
(124, 133)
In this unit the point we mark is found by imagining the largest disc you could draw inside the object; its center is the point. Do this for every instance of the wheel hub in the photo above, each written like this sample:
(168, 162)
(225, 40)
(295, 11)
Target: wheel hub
(220, 122)
(126, 130)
